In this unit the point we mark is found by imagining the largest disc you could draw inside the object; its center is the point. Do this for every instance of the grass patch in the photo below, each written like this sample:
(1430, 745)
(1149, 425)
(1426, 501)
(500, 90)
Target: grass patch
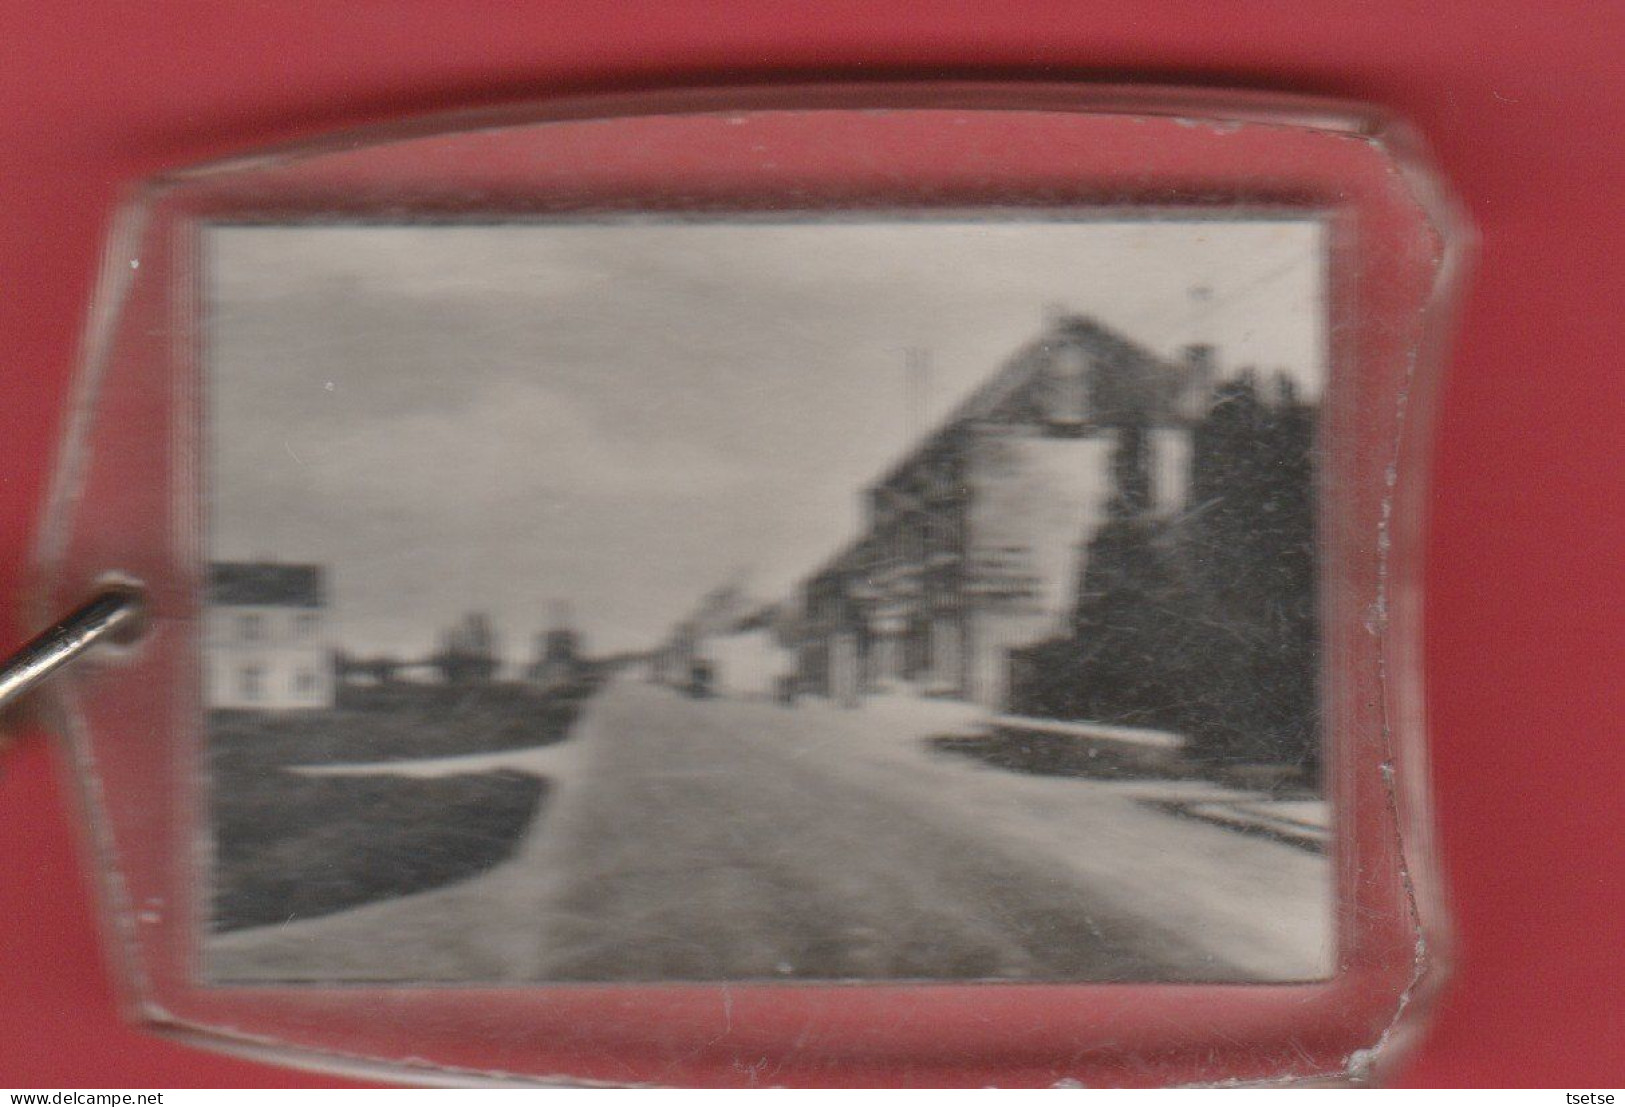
(400, 723)
(1045, 754)
(1042, 753)
(290, 846)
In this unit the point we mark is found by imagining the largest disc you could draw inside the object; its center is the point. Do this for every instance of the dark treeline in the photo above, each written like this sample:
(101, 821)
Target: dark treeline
(469, 657)
(466, 657)
(1204, 623)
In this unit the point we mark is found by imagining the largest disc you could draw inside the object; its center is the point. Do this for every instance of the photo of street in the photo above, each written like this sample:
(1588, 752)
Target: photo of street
(859, 599)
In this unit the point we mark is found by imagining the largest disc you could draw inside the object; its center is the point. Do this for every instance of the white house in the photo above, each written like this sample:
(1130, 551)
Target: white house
(750, 660)
(265, 638)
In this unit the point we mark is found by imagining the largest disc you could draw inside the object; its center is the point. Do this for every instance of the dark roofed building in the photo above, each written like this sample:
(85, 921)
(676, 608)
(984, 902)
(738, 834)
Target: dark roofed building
(970, 543)
(265, 584)
(265, 638)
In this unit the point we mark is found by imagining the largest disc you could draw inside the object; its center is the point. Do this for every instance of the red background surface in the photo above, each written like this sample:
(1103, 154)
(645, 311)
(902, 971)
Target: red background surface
(1524, 105)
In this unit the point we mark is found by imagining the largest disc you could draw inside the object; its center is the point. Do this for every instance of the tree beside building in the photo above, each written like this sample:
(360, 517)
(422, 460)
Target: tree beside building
(468, 652)
(1205, 621)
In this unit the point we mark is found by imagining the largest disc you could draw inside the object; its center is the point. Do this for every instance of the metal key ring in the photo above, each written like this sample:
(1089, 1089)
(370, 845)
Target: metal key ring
(115, 614)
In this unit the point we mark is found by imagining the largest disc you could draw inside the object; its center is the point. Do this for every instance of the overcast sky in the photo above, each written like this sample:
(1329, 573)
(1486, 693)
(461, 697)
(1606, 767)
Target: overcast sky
(624, 415)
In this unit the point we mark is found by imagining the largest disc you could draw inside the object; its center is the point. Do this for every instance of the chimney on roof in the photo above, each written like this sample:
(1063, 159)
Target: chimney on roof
(1201, 374)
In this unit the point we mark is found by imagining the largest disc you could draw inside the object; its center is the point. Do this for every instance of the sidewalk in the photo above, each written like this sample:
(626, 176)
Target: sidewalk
(1302, 822)
(1254, 900)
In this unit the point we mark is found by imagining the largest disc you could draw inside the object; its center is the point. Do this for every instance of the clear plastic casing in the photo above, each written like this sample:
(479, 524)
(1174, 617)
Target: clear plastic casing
(134, 497)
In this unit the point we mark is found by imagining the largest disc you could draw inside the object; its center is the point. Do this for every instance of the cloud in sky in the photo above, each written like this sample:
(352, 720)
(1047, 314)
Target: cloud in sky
(491, 416)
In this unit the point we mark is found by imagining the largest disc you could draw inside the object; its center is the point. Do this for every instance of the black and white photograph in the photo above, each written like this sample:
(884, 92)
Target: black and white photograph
(830, 598)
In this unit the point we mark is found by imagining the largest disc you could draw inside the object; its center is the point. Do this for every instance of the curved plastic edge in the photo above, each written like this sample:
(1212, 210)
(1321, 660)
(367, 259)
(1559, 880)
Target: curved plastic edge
(1402, 543)
(1402, 535)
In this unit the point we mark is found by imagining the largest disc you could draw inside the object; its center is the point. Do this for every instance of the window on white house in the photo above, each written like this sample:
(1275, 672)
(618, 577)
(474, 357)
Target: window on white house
(251, 683)
(251, 627)
(304, 684)
(304, 624)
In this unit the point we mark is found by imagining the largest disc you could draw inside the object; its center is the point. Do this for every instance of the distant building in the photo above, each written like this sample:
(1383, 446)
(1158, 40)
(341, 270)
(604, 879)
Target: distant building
(265, 643)
(971, 543)
(735, 641)
(718, 611)
(751, 659)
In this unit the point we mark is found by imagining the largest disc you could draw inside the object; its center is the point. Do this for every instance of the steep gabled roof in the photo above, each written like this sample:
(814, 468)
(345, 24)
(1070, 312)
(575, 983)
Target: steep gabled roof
(1020, 370)
(265, 584)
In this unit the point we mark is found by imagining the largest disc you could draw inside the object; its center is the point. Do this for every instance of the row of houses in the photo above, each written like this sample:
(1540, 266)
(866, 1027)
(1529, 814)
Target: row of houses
(730, 644)
(969, 547)
(969, 550)
(268, 645)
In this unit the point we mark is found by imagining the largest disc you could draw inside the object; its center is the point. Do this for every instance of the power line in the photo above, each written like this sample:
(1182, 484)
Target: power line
(1209, 305)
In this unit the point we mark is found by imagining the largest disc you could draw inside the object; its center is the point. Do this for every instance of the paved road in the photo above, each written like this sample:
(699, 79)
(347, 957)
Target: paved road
(721, 839)
(715, 840)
